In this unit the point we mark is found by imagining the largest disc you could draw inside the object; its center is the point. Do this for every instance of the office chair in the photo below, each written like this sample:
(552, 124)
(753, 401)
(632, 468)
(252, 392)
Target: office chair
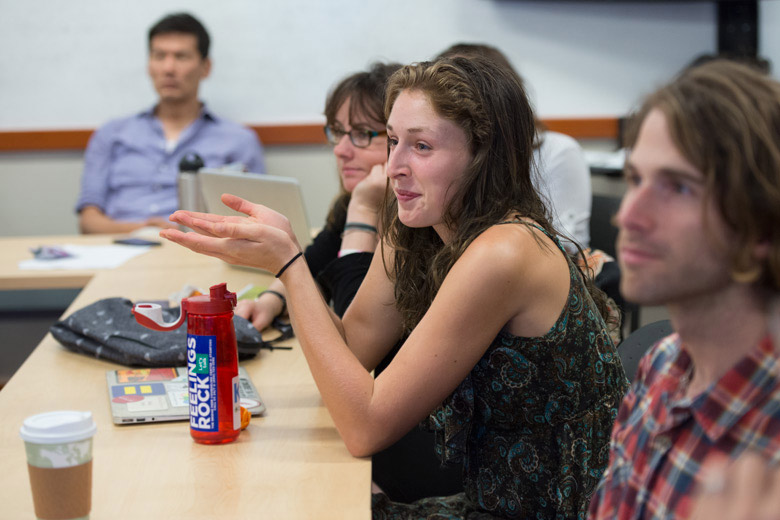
(603, 235)
(638, 342)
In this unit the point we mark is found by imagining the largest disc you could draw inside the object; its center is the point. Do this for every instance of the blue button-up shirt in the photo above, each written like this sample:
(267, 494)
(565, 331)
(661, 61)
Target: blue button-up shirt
(131, 175)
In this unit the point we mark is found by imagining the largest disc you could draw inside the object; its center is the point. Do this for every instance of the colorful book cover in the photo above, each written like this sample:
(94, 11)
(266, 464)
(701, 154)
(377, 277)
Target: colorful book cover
(146, 374)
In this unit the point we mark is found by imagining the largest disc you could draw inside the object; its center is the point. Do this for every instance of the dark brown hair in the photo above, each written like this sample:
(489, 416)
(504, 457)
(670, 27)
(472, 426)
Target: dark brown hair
(724, 117)
(366, 92)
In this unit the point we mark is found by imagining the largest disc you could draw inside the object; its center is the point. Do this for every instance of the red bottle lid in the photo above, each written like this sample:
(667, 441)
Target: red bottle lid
(218, 301)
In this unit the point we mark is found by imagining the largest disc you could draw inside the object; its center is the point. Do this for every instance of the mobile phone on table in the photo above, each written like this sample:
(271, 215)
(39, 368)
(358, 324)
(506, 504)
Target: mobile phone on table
(137, 242)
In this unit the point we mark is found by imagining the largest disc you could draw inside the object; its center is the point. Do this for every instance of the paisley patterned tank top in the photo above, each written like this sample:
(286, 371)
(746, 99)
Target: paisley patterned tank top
(531, 422)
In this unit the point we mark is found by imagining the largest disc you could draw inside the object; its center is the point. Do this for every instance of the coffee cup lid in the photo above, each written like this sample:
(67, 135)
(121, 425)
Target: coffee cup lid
(58, 427)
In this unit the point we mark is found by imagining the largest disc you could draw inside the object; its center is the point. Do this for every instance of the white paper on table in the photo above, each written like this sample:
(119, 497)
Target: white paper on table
(87, 257)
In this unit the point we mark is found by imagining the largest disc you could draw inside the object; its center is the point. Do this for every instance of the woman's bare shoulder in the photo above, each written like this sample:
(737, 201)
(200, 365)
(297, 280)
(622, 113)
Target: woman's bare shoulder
(516, 242)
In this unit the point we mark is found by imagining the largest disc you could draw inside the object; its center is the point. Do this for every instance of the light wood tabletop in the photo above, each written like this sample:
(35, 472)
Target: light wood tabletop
(290, 463)
(15, 249)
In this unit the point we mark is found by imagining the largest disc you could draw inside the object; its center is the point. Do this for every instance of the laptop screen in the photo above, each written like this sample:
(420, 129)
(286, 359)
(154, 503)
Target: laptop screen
(281, 194)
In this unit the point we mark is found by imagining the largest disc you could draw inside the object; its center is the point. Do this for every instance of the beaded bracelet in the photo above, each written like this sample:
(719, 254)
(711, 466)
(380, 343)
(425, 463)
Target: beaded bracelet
(278, 295)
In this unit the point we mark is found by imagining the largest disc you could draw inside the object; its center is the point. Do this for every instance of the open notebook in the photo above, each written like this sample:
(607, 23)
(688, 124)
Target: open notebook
(281, 194)
(144, 395)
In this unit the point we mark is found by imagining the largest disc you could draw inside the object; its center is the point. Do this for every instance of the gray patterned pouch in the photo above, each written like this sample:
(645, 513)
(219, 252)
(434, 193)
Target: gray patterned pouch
(107, 330)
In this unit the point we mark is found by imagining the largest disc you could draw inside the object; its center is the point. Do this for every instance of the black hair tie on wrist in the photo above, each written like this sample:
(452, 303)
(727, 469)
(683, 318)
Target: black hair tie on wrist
(288, 264)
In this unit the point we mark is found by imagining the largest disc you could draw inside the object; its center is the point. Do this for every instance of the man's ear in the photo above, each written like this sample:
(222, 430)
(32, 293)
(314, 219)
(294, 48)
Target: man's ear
(749, 268)
(206, 68)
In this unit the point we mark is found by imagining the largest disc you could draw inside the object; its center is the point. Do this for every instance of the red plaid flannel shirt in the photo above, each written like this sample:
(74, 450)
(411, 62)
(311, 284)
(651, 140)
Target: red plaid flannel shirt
(660, 438)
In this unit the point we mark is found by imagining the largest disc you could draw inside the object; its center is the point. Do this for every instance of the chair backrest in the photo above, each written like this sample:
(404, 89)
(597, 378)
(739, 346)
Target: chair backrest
(602, 232)
(638, 342)
(603, 235)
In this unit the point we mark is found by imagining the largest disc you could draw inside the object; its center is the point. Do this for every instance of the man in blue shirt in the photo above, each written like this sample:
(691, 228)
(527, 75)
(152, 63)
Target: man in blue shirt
(131, 164)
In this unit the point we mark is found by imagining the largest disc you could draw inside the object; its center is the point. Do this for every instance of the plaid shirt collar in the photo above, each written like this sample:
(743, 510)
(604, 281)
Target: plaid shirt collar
(724, 403)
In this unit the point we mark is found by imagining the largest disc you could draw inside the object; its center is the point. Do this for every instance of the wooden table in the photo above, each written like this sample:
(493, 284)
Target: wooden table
(15, 249)
(289, 464)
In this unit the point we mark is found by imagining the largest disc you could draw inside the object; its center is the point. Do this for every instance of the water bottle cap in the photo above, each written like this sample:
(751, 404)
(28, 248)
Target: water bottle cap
(190, 162)
(218, 301)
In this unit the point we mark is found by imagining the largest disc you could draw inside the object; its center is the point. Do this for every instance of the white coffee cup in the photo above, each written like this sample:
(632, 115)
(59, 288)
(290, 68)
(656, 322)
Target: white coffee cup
(59, 461)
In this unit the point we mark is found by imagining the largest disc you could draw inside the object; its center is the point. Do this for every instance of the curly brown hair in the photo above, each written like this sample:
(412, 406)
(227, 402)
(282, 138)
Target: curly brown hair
(490, 105)
(468, 50)
(724, 117)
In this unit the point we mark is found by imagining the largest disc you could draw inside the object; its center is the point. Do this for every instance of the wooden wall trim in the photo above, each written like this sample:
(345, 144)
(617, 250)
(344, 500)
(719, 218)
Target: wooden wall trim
(37, 140)
(275, 135)
(290, 134)
(586, 128)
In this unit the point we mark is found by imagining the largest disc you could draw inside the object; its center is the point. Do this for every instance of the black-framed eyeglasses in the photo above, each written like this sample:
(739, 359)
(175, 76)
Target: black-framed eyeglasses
(359, 138)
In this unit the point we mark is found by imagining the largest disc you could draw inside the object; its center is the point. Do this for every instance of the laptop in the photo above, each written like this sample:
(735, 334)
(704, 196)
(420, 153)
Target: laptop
(281, 194)
(160, 394)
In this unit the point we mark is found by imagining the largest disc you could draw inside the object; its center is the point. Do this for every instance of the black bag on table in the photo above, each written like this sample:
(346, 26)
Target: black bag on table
(107, 330)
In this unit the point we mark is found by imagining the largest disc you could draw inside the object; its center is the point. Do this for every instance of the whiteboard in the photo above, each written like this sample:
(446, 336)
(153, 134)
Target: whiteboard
(70, 64)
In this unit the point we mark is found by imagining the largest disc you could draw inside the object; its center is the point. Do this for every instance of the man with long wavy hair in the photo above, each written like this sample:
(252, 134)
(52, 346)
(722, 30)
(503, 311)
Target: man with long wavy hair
(700, 234)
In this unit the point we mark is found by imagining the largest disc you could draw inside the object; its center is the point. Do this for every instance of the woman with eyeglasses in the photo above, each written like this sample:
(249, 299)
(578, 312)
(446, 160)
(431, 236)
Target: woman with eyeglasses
(505, 351)
(339, 256)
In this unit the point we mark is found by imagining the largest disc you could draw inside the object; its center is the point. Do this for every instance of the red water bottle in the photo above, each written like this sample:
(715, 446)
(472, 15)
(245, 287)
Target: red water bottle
(212, 361)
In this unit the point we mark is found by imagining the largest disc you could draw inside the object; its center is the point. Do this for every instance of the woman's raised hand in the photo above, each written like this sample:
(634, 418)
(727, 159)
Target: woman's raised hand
(262, 239)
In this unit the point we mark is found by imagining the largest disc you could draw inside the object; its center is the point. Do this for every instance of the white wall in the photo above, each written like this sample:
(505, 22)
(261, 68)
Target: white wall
(75, 64)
